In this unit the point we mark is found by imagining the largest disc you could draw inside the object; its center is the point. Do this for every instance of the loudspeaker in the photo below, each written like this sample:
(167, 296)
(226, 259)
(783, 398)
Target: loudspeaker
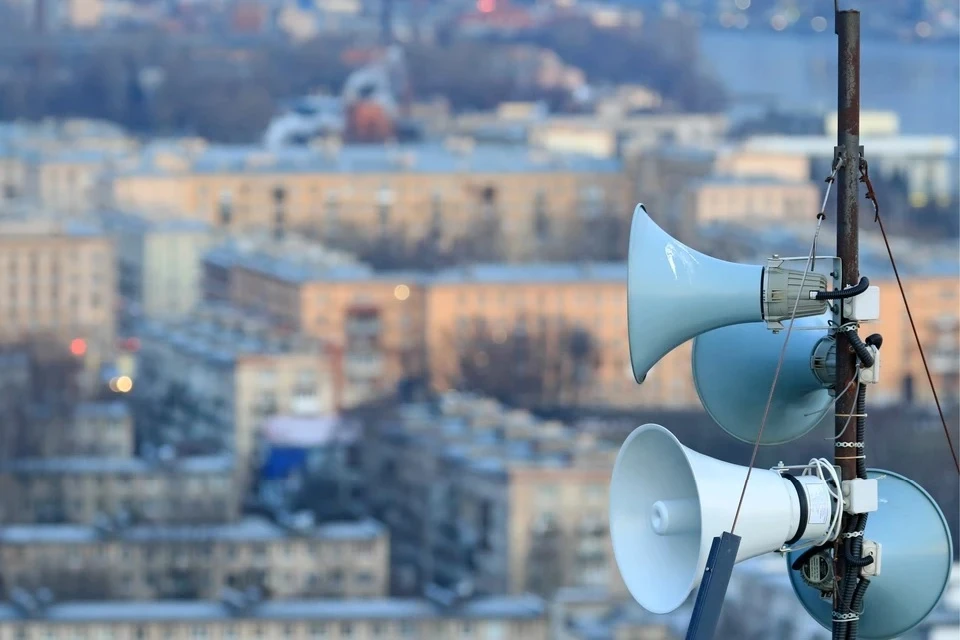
(675, 293)
(733, 368)
(667, 503)
(916, 555)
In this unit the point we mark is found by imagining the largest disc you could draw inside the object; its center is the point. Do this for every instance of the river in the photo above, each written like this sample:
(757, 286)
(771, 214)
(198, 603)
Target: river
(918, 81)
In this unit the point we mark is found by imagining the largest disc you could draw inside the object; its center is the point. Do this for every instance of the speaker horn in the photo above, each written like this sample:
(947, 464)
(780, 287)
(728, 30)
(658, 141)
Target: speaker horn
(668, 502)
(733, 368)
(675, 293)
(916, 555)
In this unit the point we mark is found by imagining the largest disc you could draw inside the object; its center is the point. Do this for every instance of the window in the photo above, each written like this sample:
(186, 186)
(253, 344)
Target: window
(318, 630)
(346, 629)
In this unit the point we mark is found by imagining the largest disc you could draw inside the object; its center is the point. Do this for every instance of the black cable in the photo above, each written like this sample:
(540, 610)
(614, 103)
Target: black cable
(861, 412)
(843, 294)
(856, 604)
(860, 348)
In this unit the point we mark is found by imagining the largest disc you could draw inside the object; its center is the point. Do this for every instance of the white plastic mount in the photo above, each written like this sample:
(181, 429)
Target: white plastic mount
(864, 307)
(872, 549)
(871, 374)
(860, 495)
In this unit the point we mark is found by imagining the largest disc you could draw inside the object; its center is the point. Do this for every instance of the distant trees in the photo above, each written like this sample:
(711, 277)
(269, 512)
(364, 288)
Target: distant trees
(527, 367)
(162, 83)
(662, 55)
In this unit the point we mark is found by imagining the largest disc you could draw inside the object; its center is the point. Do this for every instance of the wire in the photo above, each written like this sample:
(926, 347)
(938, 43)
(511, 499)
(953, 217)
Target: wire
(776, 374)
(872, 197)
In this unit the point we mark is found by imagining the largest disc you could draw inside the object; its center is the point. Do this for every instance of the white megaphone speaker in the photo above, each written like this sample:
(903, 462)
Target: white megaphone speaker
(913, 568)
(668, 503)
(675, 293)
(733, 369)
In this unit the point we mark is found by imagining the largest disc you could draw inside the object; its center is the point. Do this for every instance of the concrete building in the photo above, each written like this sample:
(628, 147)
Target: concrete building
(925, 160)
(495, 618)
(99, 429)
(78, 490)
(546, 300)
(339, 560)
(407, 191)
(58, 281)
(749, 200)
(214, 377)
(478, 495)
(375, 320)
(158, 262)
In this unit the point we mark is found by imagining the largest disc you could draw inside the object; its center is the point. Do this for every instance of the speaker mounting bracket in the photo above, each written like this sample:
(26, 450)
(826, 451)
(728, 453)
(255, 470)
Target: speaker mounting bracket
(829, 266)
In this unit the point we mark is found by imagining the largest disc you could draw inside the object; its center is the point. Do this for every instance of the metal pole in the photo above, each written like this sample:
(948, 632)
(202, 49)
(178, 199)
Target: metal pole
(848, 199)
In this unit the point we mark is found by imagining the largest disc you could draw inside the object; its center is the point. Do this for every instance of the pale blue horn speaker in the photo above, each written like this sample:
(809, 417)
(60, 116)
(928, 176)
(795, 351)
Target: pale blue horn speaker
(916, 555)
(675, 293)
(733, 368)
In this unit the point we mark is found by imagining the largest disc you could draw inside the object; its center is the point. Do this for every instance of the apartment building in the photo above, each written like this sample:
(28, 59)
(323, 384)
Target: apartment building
(376, 320)
(550, 300)
(215, 376)
(750, 200)
(158, 263)
(393, 325)
(496, 617)
(338, 560)
(58, 282)
(58, 164)
(406, 191)
(935, 304)
(924, 160)
(98, 429)
(81, 489)
(478, 495)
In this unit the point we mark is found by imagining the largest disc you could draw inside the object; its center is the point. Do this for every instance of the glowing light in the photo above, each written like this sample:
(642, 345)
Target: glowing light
(743, 5)
(778, 22)
(401, 292)
(727, 20)
(123, 384)
(78, 347)
(924, 29)
(486, 6)
(819, 23)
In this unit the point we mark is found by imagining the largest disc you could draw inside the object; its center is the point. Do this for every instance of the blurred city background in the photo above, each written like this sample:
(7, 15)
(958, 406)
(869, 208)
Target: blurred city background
(313, 312)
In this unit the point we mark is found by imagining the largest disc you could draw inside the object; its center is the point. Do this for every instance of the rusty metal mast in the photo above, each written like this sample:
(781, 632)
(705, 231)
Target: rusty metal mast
(847, 152)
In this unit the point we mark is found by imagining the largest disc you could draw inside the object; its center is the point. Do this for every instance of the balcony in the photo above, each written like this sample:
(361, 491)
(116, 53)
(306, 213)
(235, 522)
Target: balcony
(363, 366)
(305, 405)
(945, 363)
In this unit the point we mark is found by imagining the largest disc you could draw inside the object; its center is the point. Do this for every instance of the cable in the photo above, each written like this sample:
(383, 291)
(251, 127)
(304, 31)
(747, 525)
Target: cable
(846, 293)
(856, 606)
(776, 375)
(859, 347)
(872, 196)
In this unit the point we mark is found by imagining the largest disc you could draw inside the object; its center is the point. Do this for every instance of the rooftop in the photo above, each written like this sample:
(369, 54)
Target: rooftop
(102, 410)
(127, 222)
(750, 181)
(248, 529)
(526, 273)
(430, 158)
(479, 434)
(906, 145)
(196, 465)
(520, 607)
(19, 227)
(221, 334)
